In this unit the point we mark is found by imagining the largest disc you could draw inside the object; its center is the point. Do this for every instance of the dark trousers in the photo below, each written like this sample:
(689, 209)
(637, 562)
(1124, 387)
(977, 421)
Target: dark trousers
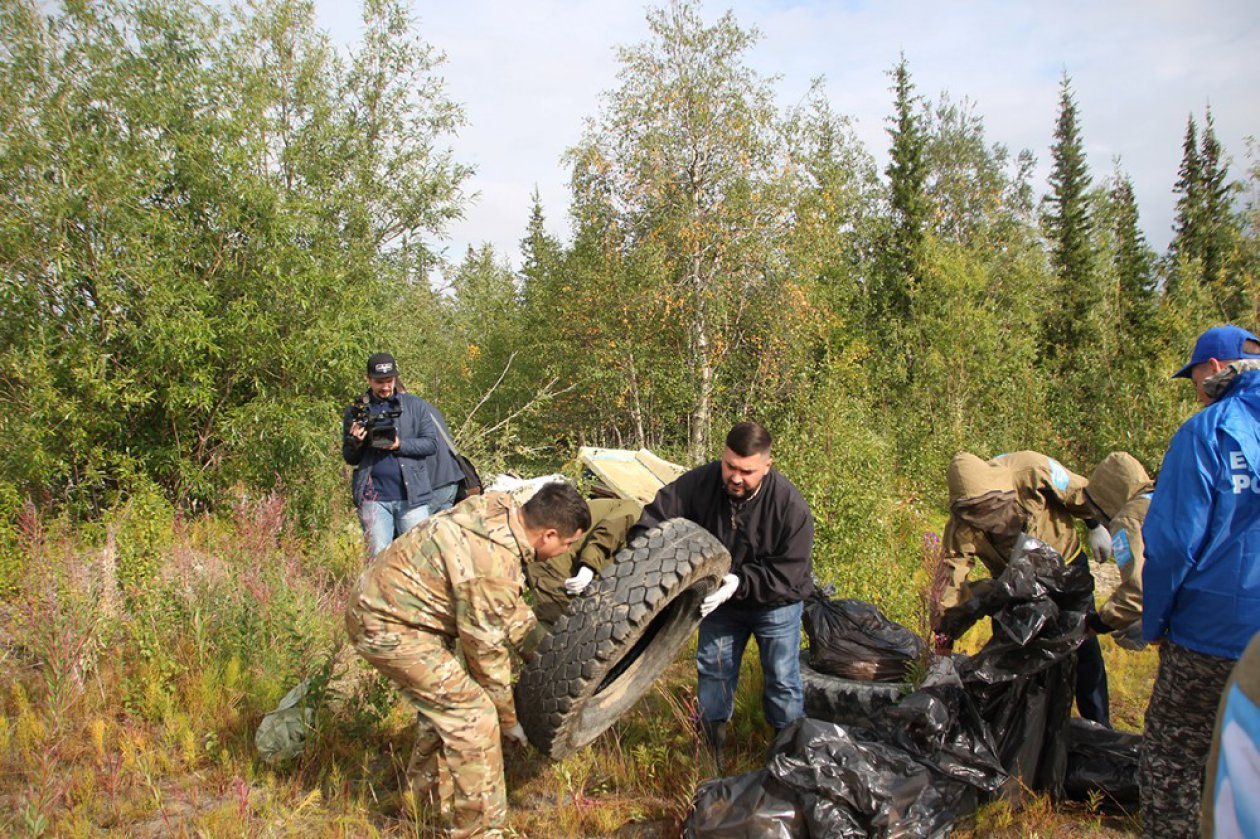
(1091, 684)
(1092, 701)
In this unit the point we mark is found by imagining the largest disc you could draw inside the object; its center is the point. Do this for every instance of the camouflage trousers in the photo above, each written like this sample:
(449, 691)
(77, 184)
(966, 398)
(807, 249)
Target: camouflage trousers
(1179, 723)
(457, 760)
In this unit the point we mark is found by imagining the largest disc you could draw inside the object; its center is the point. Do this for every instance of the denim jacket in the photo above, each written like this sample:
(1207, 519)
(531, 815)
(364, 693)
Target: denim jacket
(417, 442)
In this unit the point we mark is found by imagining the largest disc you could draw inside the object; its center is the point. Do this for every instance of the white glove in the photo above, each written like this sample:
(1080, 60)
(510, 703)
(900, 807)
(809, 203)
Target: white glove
(729, 583)
(1100, 543)
(517, 735)
(579, 581)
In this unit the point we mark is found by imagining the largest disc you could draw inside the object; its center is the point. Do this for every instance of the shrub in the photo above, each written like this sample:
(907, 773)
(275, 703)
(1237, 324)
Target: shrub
(12, 555)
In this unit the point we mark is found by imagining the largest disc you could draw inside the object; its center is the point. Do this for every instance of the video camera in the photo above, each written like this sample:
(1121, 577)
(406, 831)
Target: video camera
(381, 432)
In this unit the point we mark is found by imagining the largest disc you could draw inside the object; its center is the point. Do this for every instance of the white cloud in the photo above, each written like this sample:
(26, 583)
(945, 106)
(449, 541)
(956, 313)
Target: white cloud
(528, 72)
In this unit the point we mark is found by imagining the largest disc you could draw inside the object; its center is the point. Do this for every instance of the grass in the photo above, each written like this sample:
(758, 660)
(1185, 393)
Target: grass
(131, 711)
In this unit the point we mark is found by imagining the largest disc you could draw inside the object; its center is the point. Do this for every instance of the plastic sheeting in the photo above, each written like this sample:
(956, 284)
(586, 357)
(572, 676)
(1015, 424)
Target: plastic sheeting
(283, 733)
(919, 766)
(1023, 679)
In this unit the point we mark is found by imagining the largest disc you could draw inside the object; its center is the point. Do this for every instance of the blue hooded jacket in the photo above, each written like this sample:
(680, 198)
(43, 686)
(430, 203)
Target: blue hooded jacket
(1201, 582)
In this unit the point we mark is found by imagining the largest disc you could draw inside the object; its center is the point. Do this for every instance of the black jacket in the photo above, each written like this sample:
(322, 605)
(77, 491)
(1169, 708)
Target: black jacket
(417, 441)
(770, 538)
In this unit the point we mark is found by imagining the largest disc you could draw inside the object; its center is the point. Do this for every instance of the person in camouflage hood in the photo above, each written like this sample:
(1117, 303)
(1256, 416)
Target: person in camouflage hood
(1120, 492)
(557, 581)
(448, 590)
(993, 504)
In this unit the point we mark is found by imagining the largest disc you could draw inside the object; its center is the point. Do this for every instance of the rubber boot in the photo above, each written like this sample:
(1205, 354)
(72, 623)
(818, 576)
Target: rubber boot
(715, 736)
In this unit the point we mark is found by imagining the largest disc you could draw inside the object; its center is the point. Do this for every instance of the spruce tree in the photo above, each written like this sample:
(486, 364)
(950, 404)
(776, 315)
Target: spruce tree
(1188, 188)
(1132, 260)
(1214, 205)
(1204, 229)
(1068, 228)
(539, 250)
(907, 175)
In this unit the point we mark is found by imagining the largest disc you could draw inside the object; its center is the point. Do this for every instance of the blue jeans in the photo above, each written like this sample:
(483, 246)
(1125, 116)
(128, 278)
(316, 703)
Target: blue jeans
(723, 636)
(443, 498)
(384, 521)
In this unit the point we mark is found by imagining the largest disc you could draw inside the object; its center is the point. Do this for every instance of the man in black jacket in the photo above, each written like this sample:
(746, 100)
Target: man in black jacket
(766, 525)
(387, 436)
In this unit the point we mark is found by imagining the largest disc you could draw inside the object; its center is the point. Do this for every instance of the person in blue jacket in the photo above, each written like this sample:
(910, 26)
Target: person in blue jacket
(387, 437)
(1201, 581)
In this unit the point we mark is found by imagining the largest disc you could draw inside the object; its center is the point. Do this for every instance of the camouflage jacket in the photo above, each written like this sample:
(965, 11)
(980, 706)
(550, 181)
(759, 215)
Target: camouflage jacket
(459, 575)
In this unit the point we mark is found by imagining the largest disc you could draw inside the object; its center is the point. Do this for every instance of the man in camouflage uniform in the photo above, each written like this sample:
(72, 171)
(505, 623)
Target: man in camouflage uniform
(452, 588)
(994, 503)
(557, 581)
(1201, 581)
(1120, 492)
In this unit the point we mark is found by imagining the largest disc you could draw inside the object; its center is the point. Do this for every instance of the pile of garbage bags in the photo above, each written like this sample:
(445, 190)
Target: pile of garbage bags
(980, 727)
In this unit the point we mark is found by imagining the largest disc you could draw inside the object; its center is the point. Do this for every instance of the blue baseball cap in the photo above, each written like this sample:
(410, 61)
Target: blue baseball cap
(1224, 343)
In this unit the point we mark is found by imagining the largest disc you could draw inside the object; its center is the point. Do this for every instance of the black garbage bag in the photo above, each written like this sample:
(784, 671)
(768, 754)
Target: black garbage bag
(979, 726)
(852, 639)
(918, 767)
(1027, 717)
(942, 727)
(1023, 680)
(848, 784)
(1035, 586)
(749, 806)
(1103, 762)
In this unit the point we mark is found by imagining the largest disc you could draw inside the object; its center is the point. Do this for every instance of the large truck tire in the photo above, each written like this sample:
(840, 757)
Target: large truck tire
(845, 701)
(610, 645)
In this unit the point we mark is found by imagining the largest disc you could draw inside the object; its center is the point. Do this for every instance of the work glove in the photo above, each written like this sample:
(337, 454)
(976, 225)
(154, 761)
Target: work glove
(579, 581)
(516, 734)
(1100, 543)
(723, 593)
(1130, 638)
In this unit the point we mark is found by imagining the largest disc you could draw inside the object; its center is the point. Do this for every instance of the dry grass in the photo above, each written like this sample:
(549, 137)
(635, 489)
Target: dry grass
(135, 715)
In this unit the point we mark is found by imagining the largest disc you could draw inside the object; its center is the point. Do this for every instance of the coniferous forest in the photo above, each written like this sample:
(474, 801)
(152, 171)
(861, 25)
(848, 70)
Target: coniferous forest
(209, 217)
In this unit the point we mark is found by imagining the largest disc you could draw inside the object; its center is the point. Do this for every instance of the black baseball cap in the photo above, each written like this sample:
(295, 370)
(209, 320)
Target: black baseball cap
(381, 365)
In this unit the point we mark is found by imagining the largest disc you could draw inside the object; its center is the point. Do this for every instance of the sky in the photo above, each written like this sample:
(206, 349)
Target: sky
(530, 72)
